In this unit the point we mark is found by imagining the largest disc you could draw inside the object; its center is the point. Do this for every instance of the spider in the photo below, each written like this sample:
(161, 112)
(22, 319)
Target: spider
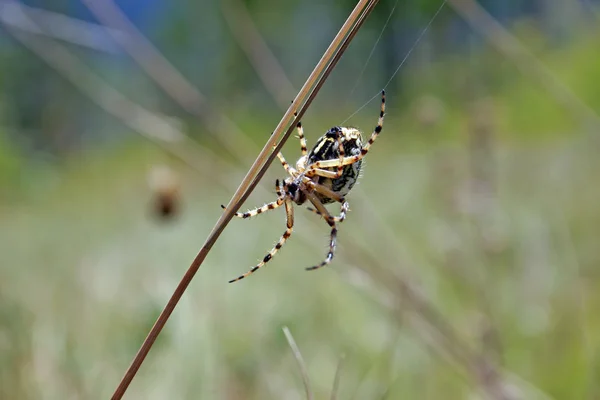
(324, 175)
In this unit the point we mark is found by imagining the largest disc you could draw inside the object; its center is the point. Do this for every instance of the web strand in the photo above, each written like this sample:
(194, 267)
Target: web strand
(362, 72)
(421, 35)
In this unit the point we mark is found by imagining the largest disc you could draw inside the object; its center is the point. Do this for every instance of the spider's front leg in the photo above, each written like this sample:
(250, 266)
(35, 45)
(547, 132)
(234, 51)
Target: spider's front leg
(284, 163)
(269, 206)
(282, 159)
(301, 136)
(289, 210)
(351, 160)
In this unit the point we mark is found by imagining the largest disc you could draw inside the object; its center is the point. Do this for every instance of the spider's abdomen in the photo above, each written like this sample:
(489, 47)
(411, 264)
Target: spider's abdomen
(327, 148)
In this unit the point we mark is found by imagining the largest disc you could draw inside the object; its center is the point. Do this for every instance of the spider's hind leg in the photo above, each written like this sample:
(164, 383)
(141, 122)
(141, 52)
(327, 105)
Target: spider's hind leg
(340, 218)
(333, 235)
(288, 232)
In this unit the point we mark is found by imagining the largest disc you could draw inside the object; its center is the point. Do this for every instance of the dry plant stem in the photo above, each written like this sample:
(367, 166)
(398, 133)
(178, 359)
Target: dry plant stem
(262, 59)
(336, 378)
(243, 191)
(482, 22)
(172, 82)
(300, 360)
(57, 26)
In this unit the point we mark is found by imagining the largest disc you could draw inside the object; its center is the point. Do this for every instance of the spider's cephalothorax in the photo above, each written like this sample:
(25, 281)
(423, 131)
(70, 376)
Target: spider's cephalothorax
(324, 175)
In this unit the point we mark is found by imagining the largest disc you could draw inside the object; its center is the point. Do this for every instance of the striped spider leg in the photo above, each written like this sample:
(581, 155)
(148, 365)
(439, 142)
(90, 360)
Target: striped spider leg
(344, 209)
(289, 212)
(303, 149)
(269, 206)
(333, 235)
(324, 175)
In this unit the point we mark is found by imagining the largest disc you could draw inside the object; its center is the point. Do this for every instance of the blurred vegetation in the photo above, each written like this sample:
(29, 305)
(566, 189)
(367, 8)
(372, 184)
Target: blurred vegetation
(467, 268)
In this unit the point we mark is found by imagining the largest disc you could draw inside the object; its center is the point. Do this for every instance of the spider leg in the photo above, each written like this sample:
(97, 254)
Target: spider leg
(324, 190)
(301, 136)
(289, 211)
(303, 149)
(312, 170)
(251, 213)
(285, 164)
(325, 173)
(269, 206)
(364, 150)
(333, 236)
(344, 209)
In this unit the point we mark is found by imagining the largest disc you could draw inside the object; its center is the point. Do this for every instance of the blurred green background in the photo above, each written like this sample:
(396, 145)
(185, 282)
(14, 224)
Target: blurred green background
(467, 267)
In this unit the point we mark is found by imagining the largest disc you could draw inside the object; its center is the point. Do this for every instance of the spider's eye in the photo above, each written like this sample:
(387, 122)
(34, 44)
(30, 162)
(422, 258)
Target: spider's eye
(333, 132)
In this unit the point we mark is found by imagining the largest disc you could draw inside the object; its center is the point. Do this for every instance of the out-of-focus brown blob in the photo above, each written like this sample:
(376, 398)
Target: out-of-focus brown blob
(165, 187)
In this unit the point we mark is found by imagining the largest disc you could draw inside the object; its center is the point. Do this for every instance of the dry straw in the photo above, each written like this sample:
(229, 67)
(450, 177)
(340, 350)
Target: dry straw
(255, 173)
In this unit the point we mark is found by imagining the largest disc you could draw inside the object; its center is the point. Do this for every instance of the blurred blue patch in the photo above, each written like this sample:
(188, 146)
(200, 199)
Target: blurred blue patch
(147, 15)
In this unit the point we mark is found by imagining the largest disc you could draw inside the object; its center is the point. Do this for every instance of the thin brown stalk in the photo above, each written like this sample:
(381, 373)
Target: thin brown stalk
(337, 377)
(315, 80)
(482, 22)
(300, 361)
